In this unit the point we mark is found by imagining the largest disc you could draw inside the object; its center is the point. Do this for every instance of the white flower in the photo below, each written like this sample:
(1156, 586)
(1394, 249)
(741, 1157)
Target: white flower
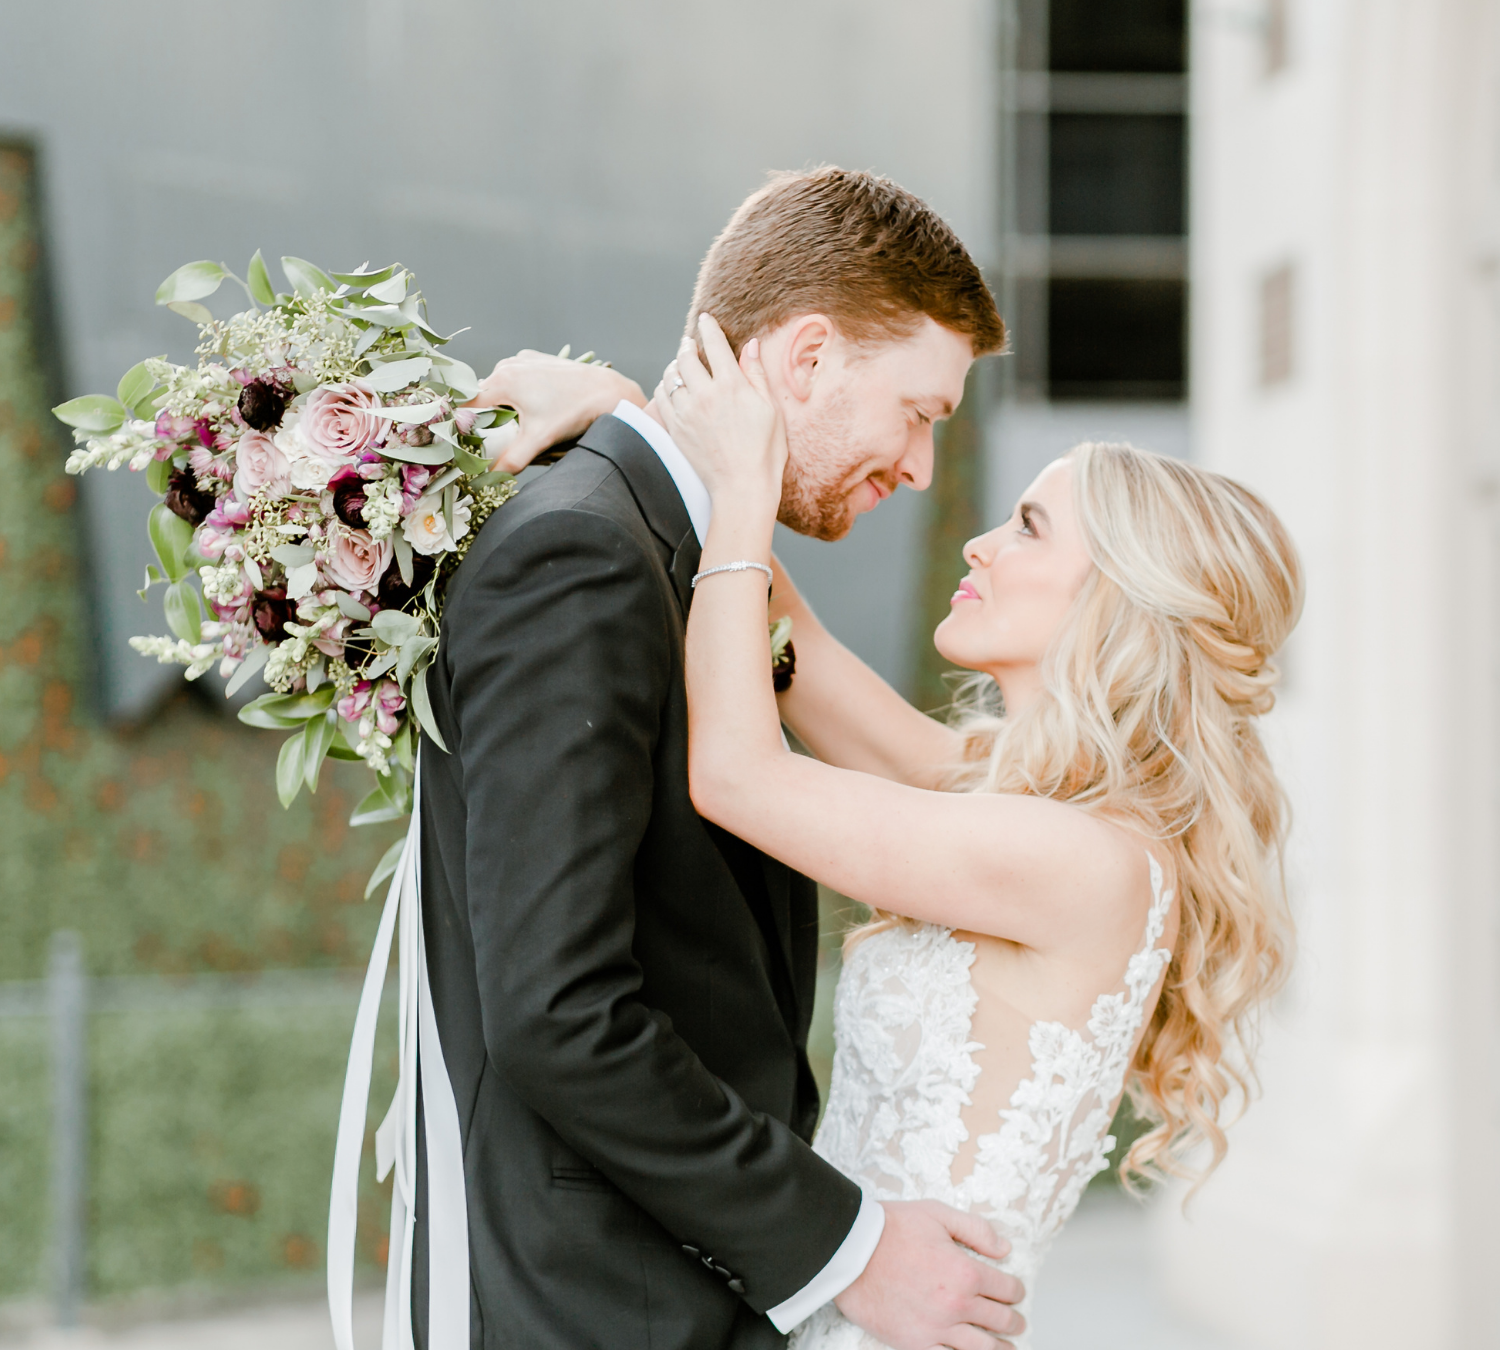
(426, 528)
(197, 657)
(310, 470)
(382, 509)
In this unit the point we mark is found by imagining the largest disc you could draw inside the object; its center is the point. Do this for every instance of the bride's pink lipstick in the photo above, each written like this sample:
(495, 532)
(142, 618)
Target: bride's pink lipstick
(965, 591)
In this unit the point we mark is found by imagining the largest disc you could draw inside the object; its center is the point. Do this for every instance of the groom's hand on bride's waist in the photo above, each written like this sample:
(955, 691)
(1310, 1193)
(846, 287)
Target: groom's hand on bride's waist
(923, 1289)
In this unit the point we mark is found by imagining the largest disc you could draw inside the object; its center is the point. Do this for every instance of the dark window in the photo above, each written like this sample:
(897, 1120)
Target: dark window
(1117, 174)
(1148, 36)
(1116, 339)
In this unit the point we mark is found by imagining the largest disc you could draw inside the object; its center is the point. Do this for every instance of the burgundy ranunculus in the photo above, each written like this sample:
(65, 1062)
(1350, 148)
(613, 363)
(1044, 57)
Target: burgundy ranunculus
(186, 499)
(272, 611)
(262, 405)
(349, 501)
(783, 667)
(395, 593)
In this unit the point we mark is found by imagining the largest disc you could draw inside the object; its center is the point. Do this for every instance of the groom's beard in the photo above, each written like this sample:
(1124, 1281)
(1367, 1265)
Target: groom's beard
(816, 486)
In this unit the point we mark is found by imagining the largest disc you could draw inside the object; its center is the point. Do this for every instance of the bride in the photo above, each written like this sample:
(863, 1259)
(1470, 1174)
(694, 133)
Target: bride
(1074, 888)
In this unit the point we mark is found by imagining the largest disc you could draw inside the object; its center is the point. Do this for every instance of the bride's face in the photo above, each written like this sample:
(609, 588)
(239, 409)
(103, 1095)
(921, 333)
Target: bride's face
(1022, 580)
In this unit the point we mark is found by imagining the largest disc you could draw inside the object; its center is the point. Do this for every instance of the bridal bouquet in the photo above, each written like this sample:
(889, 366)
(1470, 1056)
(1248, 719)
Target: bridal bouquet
(320, 482)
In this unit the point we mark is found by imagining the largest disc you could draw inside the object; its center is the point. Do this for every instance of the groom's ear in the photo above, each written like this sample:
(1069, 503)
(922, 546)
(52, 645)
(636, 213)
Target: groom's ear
(809, 343)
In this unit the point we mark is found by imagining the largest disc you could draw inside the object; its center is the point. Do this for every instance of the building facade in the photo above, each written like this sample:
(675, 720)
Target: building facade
(1346, 355)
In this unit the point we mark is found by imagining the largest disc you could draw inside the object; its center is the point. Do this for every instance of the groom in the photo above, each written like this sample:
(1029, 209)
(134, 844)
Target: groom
(622, 990)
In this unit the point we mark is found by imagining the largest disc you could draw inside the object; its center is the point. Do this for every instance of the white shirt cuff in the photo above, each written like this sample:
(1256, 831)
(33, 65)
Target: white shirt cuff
(844, 1267)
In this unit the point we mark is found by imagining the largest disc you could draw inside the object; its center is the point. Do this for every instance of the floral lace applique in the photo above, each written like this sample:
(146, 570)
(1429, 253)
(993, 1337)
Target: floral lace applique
(905, 1070)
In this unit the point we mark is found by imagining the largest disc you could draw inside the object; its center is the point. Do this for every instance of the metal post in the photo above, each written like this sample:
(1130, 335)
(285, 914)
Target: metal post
(67, 998)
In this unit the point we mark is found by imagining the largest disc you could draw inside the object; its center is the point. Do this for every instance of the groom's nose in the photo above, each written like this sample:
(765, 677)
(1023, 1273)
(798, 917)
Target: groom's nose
(914, 468)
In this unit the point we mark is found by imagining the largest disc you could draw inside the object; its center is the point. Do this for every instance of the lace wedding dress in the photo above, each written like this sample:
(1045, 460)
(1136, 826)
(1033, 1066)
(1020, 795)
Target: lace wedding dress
(908, 1073)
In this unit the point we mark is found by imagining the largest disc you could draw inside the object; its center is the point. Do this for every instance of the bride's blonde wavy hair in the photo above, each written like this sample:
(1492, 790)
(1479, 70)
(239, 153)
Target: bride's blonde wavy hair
(1147, 715)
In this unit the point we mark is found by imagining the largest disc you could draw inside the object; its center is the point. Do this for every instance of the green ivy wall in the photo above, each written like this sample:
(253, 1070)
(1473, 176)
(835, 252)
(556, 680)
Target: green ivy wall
(164, 846)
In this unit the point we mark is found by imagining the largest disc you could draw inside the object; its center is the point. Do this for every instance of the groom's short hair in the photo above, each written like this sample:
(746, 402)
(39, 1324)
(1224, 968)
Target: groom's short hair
(859, 248)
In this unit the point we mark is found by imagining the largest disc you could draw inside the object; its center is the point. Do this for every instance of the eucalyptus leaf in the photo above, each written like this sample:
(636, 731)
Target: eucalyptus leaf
(469, 462)
(171, 536)
(307, 280)
(259, 280)
(389, 860)
(247, 670)
(350, 608)
(412, 652)
(315, 676)
(458, 375)
(402, 545)
(492, 479)
(436, 453)
(97, 413)
(409, 412)
(364, 280)
(289, 768)
(423, 708)
(394, 627)
(253, 716)
(301, 580)
(147, 408)
(184, 612)
(394, 375)
(382, 664)
(287, 710)
(159, 476)
(153, 575)
(293, 555)
(387, 316)
(444, 479)
(377, 807)
(134, 385)
(392, 291)
(318, 737)
(191, 309)
(191, 281)
(367, 339)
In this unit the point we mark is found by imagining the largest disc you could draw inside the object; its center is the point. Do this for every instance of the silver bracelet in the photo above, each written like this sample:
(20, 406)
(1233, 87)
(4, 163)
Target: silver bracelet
(733, 567)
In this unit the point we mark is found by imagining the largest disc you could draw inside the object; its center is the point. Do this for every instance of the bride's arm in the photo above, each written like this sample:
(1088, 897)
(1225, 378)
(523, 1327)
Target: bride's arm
(1021, 868)
(556, 400)
(845, 713)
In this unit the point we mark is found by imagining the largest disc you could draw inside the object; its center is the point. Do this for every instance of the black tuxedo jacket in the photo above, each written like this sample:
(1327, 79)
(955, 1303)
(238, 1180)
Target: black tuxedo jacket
(623, 990)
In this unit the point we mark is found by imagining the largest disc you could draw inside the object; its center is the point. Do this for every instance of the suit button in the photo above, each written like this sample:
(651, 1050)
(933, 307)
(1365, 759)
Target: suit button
(721, 1271)
(737, 1286)
(691, 1250)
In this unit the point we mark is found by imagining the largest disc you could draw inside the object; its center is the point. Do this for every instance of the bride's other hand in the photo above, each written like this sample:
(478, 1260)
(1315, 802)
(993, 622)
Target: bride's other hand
(556, 400)
(724, 419)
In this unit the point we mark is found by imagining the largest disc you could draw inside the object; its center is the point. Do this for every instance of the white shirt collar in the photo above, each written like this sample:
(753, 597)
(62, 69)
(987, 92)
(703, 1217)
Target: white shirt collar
(689, 486)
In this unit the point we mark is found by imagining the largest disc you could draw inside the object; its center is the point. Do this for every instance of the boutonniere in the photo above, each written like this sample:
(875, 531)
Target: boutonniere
(783, 655)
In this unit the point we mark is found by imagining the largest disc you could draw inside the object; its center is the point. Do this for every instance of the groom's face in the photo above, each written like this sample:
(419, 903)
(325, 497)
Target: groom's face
(860, 419)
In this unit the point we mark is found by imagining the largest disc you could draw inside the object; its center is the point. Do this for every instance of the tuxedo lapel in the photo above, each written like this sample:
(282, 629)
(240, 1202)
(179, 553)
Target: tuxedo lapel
(662, 506)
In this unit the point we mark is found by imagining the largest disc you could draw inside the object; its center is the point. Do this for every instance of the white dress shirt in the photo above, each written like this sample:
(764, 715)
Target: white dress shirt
(848, 1263)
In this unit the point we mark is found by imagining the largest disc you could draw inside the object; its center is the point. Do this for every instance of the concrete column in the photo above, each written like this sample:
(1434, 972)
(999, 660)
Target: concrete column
(1346, 203)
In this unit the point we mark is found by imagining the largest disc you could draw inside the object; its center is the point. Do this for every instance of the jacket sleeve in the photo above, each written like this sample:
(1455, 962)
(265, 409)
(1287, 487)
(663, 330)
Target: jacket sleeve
(560, 654)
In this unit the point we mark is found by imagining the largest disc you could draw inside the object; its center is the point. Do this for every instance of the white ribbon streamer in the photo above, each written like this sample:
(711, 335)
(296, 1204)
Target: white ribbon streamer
(396, 1139)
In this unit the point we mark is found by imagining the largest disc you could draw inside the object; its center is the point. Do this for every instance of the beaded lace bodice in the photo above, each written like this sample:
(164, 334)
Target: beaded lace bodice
(906, 1066)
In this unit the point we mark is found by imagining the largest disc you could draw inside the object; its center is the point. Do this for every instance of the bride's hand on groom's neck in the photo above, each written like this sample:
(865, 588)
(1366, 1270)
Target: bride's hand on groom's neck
(724, 419)
(556, 399)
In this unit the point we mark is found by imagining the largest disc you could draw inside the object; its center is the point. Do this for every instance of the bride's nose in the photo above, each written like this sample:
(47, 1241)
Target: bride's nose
(979, 551)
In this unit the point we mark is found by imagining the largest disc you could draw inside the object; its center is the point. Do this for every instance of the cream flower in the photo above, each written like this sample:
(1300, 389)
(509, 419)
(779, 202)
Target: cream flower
(426, 528)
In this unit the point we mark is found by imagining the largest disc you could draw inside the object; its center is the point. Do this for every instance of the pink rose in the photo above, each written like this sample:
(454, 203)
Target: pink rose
(337, 423)
(356, 561)
(260, 466)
